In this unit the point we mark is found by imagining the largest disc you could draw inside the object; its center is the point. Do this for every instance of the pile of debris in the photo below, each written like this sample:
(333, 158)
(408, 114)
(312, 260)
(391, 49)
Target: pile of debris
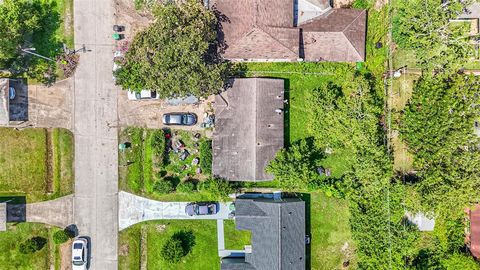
(177, 146)
(68, 63)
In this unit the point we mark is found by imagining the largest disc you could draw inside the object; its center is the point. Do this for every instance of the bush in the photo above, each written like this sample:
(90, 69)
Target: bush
(61, 236)
(172, 250)
(158, 144)
(178, 246)
(186, 187)
(163, 186)
(216, 188)
(32, 245)
(206, 157)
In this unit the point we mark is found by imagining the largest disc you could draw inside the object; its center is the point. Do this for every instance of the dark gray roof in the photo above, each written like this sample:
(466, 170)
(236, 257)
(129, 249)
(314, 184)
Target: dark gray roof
(248, 130)
(278, 232)
(3, 217)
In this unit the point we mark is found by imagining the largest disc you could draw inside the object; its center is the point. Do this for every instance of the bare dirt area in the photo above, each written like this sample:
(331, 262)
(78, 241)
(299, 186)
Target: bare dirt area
(66, 255)
(148, 113)
(342, 3)
(133, 20)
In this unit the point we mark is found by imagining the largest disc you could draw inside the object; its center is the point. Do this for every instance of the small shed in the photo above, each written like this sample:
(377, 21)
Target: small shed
(3, 217)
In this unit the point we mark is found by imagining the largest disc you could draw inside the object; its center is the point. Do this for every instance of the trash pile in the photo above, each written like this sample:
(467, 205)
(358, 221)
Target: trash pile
(178, 147)
(208, 121)
(68, 63)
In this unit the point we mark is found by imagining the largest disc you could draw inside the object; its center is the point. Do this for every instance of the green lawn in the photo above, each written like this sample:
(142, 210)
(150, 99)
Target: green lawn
(235, 239)
(12, 259)
(331, 238)
(204, 254)
(24, 162)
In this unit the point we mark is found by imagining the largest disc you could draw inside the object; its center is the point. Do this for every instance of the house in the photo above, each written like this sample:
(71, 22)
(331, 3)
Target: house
(278, 234)
(248, 131)
(290, 30)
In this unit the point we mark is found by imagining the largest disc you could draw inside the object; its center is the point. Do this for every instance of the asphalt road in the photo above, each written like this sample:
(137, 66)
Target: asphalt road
(96, 144)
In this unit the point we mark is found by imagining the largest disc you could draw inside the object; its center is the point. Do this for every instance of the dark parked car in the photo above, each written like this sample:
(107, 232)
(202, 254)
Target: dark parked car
(182, 119)
(201, 208)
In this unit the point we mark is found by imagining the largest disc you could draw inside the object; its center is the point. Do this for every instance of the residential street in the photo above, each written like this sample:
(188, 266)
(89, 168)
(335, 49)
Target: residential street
(95, 120)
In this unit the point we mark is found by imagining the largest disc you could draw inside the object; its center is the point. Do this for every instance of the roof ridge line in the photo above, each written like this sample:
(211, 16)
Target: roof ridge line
(356, 18)
(351, 45)
(263, 30)
(350, 42)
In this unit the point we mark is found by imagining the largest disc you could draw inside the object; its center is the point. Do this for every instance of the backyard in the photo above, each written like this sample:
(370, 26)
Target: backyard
(36, 163)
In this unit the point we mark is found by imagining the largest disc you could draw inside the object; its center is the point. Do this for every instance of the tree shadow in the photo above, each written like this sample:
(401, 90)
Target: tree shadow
(187, 238)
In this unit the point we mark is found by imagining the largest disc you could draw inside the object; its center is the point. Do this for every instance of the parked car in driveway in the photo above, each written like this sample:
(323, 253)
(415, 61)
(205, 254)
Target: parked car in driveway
(142, 95)
(201, 208)
(80, 254)
(181, 119)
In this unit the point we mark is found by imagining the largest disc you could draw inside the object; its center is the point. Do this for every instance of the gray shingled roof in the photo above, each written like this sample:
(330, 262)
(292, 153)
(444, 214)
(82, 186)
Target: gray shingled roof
(248, 131)
(4, 102)
(3, 217)
(267, 30)
(278, 232)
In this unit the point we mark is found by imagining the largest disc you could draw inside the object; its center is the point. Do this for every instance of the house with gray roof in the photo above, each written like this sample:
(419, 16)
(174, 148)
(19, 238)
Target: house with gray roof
(249, 124)
(290, 30)
(278, 234)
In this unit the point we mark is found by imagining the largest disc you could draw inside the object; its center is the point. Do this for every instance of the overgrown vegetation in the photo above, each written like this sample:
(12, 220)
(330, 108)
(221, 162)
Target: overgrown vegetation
(425, 28)
(176, 54)
(34, 24)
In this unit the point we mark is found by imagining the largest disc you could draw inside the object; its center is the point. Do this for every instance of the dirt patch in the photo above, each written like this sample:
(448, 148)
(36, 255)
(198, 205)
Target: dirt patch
(402, 159)
(133, 20)
(342, 3)
(66, 255)
(380, 3)
(161, 228)
(123, 250)
(49, 161)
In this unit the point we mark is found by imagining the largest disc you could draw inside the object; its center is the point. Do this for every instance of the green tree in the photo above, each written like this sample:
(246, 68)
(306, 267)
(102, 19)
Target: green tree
(163, 186)
(296, 166)
(172, 250)
(438, 126)
(60, 236)
(216, 189)
(176, 55)
(425, 26)
(32, 245)
(206, 157)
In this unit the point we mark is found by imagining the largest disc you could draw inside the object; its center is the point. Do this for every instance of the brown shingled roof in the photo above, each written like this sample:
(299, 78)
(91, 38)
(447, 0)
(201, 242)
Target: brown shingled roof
(258, 30)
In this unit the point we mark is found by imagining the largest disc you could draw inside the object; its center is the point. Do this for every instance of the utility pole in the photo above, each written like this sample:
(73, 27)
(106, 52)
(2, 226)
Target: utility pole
(29, 51)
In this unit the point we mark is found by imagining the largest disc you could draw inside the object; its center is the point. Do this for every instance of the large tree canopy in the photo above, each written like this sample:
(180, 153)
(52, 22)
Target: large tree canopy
(426, 27)
(438, 126)
(176, 54)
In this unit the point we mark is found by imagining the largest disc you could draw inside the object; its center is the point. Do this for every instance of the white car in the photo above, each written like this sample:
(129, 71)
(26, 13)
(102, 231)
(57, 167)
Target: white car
(144, 94)
(79, 254)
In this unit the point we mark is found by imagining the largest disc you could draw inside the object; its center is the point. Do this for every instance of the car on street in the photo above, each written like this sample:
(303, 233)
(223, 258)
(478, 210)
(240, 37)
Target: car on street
(181, 119)
(79, 254)
(142, 95)
(201, 208)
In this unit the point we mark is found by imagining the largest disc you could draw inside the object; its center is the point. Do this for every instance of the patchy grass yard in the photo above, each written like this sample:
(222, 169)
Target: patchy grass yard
(235, 239)
(141, 167)
(331, 238)
(12, 259)
(36, 163)
(402, 89)
(204, 254)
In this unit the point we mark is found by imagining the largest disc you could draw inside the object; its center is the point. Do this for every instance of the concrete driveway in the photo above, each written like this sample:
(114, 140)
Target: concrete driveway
(134, 209)
(148, 113)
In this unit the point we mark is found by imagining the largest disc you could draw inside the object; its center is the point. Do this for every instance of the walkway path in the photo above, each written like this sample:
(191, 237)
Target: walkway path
(96, 143)
(135, 209)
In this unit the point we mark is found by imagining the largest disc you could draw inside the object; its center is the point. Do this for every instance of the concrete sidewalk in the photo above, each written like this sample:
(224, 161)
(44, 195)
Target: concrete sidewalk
(134, 209)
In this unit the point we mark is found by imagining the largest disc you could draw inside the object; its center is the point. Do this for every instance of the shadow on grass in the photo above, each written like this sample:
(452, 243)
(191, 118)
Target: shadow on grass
(187, 239)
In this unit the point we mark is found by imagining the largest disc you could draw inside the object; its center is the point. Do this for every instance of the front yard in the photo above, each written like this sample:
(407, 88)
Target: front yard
(36, 163)
(142, 244)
